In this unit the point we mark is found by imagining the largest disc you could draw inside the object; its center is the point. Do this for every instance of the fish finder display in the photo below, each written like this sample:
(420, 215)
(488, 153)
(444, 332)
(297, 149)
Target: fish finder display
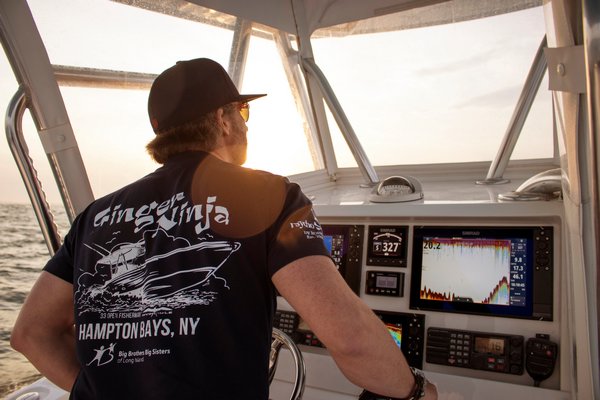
(396, 332)
(408, 331)
(480, 270)
(474, 270)
(335, 245)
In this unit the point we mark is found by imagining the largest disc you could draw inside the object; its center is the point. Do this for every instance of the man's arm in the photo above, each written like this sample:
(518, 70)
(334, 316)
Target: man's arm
(355, 337)
(44, 331)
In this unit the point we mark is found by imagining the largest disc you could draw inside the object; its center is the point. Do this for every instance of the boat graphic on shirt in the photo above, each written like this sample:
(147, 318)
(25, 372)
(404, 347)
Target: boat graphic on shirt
(158, 272)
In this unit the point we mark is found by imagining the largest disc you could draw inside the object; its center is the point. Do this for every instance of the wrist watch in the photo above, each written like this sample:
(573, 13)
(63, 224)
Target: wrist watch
(417, 392)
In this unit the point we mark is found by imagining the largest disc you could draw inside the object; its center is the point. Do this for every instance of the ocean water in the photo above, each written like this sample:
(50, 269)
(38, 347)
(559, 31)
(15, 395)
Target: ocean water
(23, 253)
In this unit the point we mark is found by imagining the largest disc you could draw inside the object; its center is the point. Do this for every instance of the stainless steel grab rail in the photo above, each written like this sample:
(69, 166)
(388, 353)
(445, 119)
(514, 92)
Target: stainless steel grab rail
(530, 89)
(29, 60)
(20, 152)
(281, 339)
(362, 160)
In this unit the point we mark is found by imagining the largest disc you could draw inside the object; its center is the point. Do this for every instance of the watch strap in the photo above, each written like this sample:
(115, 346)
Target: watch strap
(417, 392)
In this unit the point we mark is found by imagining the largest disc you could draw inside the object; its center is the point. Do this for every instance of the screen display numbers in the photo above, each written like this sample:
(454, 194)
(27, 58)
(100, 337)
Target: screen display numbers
(489, 345)
(387, 246)
(385, 282)
(518, 262)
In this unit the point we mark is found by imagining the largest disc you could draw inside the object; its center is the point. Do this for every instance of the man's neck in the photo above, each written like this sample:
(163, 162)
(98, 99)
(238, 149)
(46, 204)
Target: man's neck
(222, 154)
(226, 154)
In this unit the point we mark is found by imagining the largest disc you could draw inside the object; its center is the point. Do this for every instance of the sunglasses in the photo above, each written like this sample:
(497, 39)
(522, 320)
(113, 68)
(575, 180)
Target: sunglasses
(244, 109)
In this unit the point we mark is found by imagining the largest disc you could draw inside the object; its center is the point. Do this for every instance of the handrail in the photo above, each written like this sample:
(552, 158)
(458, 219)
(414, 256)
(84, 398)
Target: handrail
(290, 60)
(101, 78)
(546, 185)
(20, 152)
(29, 60)
(530, 89)
(281, 339)
(239, 51)
(365, 166)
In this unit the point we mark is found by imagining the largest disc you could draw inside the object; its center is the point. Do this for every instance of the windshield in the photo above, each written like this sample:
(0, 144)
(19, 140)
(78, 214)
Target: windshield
(112, 126)
(439, 94)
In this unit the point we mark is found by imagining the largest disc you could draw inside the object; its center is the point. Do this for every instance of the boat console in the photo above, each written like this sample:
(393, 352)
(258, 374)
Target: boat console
(491, 286)
(469, 291)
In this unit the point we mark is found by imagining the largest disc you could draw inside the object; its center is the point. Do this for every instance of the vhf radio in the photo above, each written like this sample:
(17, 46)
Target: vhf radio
(475, 350)
(541, 357)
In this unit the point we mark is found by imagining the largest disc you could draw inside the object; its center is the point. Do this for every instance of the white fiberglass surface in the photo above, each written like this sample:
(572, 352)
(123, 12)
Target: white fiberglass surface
(438, 94)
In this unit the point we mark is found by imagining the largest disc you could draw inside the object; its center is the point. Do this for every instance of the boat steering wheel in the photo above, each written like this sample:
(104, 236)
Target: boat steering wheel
(280, 339)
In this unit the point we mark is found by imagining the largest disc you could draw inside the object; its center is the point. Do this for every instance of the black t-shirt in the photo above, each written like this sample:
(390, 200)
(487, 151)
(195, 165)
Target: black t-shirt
(172, 280)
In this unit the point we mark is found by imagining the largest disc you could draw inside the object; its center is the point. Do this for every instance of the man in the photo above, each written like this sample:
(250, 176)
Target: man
(165, 288)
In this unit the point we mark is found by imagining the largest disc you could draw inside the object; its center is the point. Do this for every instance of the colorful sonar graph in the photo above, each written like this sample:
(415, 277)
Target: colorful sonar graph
(396, 333)
(471, 270)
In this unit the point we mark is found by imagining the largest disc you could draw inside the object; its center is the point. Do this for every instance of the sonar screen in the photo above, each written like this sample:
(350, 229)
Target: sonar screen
(473, 270)
(504, 271)
(396, 332)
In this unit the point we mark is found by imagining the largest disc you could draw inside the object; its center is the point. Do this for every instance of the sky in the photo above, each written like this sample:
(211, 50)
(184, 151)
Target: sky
(421, 112)
(111, 125)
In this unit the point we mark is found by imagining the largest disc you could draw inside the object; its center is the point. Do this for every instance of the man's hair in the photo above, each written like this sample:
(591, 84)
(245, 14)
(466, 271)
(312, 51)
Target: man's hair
(198, 135)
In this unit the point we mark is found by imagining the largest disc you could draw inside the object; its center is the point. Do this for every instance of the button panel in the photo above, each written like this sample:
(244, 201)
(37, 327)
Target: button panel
(475, 350)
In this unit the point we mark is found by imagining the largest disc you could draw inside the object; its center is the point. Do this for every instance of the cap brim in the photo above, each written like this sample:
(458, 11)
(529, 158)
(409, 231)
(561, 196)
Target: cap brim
(249, 97)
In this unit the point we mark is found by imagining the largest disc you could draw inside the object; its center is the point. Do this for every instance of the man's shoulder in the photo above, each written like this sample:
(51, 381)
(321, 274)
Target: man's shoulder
(243, 171)
(212, 172)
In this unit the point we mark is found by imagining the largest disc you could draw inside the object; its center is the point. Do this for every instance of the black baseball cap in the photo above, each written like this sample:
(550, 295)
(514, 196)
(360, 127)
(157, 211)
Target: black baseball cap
(189, 90)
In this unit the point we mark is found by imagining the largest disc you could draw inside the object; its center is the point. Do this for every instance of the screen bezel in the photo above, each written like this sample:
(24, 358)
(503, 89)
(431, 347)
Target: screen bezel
(512, 311)
(350, 263)
(343, 231)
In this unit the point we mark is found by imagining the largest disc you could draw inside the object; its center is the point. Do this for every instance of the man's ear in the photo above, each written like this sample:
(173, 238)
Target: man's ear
(223, 121)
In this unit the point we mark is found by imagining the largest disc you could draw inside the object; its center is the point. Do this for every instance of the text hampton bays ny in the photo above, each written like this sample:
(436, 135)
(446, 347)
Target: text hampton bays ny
(153, 327)
(172, 212)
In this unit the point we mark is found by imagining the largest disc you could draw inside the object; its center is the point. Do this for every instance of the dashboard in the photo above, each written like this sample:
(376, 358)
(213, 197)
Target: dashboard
(472, 298)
